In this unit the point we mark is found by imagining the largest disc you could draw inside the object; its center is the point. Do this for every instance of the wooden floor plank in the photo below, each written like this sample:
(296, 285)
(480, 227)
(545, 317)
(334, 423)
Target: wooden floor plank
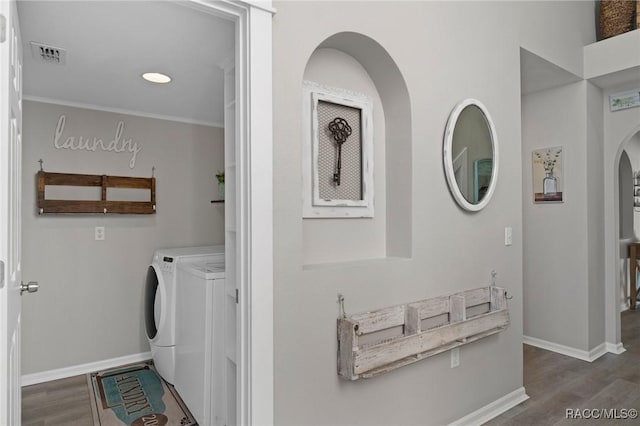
(57, 403)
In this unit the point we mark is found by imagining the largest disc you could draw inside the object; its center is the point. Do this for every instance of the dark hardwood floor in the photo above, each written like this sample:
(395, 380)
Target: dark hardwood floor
(556, 383)
(57, 403)
(553, 382)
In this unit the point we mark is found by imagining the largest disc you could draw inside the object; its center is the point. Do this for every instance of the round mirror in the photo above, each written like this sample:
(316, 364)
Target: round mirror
(471, 155)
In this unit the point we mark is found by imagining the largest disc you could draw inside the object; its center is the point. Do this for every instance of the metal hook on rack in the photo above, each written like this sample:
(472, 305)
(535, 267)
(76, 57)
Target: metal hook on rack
(494, 274)
(343, 313)
(153, 171)
(40, 161)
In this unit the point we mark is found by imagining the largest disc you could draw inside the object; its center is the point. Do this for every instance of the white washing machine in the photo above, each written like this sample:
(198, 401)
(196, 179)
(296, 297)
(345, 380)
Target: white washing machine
(200, 344)
(160, 302)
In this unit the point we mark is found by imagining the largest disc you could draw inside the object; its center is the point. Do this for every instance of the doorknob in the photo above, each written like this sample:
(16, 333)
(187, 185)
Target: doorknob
(30, 287)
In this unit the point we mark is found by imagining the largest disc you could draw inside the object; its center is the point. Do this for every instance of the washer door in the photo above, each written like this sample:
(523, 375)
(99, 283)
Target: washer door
(155, 304)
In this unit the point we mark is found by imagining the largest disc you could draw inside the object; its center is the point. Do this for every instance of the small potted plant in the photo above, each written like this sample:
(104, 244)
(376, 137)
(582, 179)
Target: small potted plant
(220, 177)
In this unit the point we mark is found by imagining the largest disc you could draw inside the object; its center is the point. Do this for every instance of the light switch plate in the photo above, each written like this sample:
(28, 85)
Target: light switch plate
(508, 236)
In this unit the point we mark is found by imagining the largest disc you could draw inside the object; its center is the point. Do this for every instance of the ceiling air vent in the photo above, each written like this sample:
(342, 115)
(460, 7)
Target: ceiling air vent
(48, 54)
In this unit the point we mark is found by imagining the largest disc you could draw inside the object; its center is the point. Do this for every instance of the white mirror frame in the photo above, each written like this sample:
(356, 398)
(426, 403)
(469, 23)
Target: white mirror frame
(448, 157)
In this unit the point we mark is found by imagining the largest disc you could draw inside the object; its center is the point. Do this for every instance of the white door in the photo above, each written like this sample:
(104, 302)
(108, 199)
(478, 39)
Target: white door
(10, 221)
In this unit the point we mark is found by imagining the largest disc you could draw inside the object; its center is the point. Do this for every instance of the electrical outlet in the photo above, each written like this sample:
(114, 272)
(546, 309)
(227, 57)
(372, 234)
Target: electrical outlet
(99, 233)
(508, 236)
(455, 357)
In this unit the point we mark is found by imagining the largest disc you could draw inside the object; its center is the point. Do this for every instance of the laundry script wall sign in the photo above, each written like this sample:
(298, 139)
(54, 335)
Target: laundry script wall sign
(119, 144)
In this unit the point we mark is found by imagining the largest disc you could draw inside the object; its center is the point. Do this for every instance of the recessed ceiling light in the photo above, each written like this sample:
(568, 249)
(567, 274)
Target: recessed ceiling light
(156, 77)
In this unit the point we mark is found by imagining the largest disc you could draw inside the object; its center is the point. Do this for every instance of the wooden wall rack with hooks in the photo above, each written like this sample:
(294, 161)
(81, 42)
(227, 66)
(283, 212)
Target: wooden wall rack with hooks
(374, 343)
(103, 205)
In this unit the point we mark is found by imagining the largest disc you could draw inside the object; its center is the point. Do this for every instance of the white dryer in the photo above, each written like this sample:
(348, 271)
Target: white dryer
(160, 302)
(203, 382)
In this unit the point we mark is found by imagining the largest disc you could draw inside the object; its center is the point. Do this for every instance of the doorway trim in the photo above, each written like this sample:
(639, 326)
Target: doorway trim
(254, 201)
(612, 252)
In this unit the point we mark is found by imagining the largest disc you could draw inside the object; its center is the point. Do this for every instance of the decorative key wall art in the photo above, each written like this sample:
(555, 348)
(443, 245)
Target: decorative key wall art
(337, 153)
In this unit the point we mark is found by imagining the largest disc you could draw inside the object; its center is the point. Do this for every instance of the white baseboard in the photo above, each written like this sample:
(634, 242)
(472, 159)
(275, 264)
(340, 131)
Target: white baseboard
(597, 352)
(583, 355)
(615, 348)
(76, 370)
(493, 409)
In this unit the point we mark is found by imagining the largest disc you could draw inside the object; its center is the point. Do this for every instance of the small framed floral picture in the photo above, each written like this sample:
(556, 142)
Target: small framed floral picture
(548, 176)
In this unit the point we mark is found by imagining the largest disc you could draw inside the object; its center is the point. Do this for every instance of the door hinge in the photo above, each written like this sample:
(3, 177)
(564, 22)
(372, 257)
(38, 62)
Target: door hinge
(3, 28)
(237, 296)
(1, 274)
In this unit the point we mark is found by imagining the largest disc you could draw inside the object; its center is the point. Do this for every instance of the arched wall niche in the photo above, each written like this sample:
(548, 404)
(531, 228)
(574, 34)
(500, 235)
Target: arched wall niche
(357, 63)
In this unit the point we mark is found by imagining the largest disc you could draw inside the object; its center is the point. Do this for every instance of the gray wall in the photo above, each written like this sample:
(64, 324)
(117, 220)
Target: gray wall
(625, 192)
(446, 52)
(619, 128)
(632, 148)
(632, 153)
(595, 215)
(563, 300)
(367, 236)
(555, 252)
(89, 307)
(626, 215)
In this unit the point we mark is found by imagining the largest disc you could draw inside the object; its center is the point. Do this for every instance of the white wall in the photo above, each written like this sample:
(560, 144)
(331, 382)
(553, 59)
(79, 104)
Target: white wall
(446, 51)
(89, 306)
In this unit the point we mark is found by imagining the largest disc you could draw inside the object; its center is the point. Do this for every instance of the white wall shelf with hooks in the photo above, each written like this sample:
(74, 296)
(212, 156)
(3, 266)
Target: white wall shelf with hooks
(374, 343)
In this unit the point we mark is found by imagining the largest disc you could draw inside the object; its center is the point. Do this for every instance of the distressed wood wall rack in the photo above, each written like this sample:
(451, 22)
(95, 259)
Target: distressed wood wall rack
(98, 206)
(373, 343)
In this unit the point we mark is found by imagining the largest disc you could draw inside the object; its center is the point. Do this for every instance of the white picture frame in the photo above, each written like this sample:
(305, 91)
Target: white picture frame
(624, 100)
(318, 98)
(547, 166)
